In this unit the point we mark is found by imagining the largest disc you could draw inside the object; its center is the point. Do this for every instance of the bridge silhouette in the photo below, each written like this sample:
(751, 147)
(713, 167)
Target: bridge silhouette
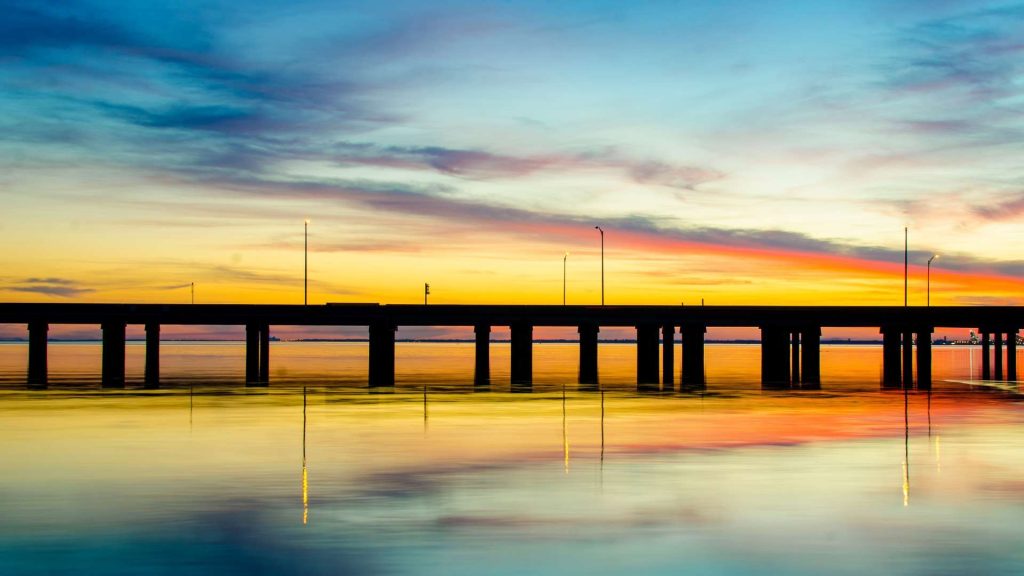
(790, 335)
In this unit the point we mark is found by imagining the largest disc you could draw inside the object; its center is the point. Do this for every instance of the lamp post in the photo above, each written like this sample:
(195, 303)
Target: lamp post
(565, 258)
(930, 278)
(305, 262)
(906, 263)
(193, 285)
(426, 292)
(598, 228)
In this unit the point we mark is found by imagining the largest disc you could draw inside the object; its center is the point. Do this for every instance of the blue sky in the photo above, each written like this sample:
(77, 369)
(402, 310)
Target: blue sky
(739, 151)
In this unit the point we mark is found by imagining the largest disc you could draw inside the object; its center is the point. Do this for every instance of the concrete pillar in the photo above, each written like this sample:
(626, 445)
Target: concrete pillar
(1011, 355)
(668, 357)
(264, 354)
(113, 355)
(588, 354)
(811, 358)
(998, 353)
(382, 355)
(647, 355)
(924, 358)
(37, 362)
(986, 354)
(252, 354)
(890, 356)
(794, 368)
(908, 359)
(774, 357)
(693, 355)
(152, 355)
(482, 367)
(522, 354)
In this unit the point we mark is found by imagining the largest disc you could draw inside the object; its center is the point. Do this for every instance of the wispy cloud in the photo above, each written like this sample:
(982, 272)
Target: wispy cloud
(60, 287)
(485, 164)
(983, 300)
(975, 52)
(51, 280)
(643, 232)
(1009, 208)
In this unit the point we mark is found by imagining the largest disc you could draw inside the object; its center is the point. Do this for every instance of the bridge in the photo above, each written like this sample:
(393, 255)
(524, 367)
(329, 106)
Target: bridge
(790, 335)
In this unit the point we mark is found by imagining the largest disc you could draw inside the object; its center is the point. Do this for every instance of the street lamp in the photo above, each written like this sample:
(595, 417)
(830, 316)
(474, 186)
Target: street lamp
(305, 262)
(906, 263)
(930, 278)
(565, 259)
(426, 292)
(598, 228)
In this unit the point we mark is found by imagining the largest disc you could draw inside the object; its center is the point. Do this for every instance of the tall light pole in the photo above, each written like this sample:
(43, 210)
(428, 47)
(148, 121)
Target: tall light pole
(906, 263)
(305, 262)
(930, 278)
(599, 229)
(193, 292)
(565, 259)
(426, 292)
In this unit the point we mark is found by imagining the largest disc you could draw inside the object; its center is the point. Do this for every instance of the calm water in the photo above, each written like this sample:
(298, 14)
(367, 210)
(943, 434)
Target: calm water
(316, 475)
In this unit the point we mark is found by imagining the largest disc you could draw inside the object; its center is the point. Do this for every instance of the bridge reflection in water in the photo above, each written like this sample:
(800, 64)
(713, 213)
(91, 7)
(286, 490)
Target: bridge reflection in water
(790, 336)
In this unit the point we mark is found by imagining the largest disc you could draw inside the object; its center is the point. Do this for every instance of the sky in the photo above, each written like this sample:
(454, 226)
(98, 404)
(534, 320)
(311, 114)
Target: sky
(733, 152)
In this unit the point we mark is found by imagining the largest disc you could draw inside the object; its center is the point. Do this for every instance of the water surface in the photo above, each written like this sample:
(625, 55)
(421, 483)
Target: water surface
(316, 474)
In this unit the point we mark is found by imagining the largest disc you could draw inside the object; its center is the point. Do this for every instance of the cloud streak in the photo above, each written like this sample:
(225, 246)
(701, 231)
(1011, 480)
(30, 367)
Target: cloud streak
(59, 287)
(641, 232)
(470, 163)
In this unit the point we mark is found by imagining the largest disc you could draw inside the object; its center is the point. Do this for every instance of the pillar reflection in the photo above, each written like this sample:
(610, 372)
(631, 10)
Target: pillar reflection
(602, 428)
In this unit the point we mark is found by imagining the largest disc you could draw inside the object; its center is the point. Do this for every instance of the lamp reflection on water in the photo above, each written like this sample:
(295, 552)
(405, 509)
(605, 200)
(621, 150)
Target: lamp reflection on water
(906, 447)
(305, 474)
(565, 437)
(906, 484)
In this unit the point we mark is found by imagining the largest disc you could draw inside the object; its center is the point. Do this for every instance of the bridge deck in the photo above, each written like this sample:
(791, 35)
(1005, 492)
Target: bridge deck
(1008, 317)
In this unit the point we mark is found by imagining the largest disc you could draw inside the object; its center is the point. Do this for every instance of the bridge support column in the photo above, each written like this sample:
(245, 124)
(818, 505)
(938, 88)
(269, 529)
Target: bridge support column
(252, 354)
(522, 355)
(668, 357)
(908, 359)
(1011, 355)
(774, 357)
(794, 369)
(588, 354)
(924, 358)
(693, 355)
(382, 355)
(264, 354)
(647, 356)
(113, 355)
(811, 360)
(482, 368)
(152, 355)
(998, 353)
(37, 362)
(890, 356)
(986, 355)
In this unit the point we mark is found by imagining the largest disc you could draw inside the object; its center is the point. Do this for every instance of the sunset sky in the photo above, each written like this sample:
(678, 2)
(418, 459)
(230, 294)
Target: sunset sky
(739, 152)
